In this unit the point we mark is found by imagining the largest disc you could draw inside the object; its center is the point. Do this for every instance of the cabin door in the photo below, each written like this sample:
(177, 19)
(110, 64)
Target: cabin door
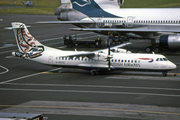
(99, 22)
(50, 60)
(130, 21)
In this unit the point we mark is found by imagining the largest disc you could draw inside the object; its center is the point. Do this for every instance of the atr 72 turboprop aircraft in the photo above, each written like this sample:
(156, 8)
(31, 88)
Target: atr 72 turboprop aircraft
(160, 25)
(96, 61)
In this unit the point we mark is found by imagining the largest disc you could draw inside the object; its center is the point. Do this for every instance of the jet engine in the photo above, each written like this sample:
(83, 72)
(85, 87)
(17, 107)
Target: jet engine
(69, 15)
(170, 41)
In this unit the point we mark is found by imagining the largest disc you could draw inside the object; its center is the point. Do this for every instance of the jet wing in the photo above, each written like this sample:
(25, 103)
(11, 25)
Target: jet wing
(67, 22)
(124, 30)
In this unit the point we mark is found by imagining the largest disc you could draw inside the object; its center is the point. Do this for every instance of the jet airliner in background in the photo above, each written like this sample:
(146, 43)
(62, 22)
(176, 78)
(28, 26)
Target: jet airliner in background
(94, 61)
(160, 25)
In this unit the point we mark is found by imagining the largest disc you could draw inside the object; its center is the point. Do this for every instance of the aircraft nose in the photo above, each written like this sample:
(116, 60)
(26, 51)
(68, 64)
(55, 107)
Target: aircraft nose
(173, 66)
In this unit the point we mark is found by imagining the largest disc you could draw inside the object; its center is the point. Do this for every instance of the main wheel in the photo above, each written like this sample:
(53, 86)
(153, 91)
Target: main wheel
(157, 49)
(148, 49)
(92, 72)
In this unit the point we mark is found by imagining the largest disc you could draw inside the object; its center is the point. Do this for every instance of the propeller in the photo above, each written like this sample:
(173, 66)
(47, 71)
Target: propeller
(109, 53)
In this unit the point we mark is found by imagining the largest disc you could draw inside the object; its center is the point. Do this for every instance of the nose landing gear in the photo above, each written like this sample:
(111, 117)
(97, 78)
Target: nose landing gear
(164, 74)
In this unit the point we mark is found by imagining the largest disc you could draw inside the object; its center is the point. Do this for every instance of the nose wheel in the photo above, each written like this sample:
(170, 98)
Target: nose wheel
(164, 74)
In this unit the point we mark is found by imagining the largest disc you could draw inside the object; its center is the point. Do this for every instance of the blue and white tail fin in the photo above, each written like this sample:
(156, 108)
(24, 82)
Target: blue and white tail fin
(95, 8)
(28, 46)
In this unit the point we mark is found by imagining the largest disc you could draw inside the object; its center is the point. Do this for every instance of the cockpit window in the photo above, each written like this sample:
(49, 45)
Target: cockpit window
(165, 59)
(161, 59)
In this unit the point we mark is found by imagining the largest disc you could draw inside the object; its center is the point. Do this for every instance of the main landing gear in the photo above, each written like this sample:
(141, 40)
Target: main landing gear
(94, 72)
(154, 47)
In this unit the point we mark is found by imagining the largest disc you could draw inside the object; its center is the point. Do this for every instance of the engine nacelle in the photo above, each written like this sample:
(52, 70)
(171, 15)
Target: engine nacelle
(69, 15)
(170, 41)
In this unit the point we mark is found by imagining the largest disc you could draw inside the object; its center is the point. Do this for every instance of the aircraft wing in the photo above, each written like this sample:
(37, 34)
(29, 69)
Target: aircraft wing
(115, 48)
(67, 22)
(124, 30)
(88, 54)
(100, 66)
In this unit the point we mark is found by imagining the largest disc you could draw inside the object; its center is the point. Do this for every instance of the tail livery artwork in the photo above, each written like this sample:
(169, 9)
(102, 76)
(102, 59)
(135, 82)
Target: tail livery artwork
(94, 61)
(27, 44)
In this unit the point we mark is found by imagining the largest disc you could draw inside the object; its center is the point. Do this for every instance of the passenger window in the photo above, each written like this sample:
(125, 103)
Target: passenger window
(122, 61)
(131, 61)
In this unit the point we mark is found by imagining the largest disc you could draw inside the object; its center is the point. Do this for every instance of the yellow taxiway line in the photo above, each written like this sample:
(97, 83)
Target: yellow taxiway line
(86, 108)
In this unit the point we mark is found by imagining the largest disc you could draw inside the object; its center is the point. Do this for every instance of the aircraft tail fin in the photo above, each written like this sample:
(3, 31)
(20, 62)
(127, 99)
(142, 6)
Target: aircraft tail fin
(23, 2)
(94, 8)
(26, 43)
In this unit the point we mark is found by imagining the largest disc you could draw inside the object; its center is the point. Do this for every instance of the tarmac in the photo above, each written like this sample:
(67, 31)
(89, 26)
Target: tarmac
(64, 93)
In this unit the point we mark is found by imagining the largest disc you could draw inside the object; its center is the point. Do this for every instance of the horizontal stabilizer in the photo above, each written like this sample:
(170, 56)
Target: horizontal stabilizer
(117, 48)
(10, 28)
(66, 22)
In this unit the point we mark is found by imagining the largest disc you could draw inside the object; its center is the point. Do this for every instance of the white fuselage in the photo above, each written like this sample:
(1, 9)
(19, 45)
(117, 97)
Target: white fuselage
(161, 16)
(120, 61)
(32, 49)
(138, 15)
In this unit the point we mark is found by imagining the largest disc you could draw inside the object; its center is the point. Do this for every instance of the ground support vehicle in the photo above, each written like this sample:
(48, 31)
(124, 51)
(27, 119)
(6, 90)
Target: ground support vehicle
(21, 116)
